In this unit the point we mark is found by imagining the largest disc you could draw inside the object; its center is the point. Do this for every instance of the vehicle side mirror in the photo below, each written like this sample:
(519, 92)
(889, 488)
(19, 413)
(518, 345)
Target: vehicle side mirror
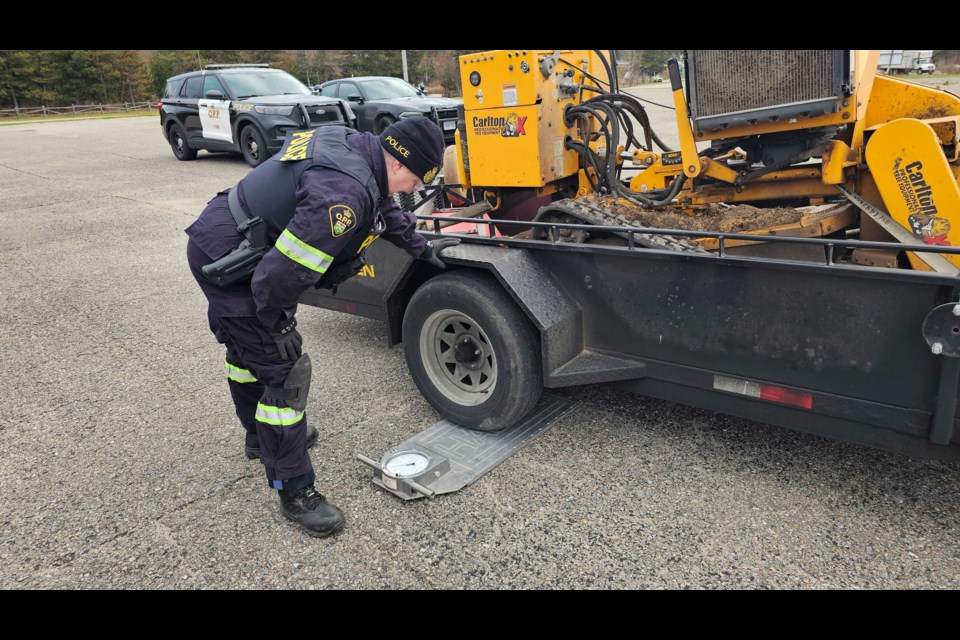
(422, 89)
(213, 94)
(353, 97)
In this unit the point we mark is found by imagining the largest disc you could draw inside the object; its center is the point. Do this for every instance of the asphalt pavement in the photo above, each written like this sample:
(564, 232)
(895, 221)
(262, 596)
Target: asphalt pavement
(122, 465)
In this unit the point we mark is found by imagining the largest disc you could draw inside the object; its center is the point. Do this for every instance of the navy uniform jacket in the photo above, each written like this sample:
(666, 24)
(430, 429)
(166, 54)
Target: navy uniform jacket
(314, 237)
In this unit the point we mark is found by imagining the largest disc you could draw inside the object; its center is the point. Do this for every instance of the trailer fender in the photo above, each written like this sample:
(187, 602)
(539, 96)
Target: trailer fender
(541, 298)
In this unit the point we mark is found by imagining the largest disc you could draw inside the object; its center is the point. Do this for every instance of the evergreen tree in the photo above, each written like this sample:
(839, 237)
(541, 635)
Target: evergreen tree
(17, 70)
(221, 56)
(166, 63)
(372, 62)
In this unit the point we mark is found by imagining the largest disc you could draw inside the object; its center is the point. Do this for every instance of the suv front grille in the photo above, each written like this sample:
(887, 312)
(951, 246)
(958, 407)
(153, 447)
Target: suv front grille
(320, 114)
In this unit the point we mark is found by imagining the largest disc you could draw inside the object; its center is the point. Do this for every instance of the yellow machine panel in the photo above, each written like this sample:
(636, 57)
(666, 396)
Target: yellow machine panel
(513, 109)
(915, 180)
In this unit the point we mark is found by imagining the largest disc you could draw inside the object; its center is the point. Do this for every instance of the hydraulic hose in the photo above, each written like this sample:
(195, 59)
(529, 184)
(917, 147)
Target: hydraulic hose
(606, 65)
(609, 123)
(633, 106)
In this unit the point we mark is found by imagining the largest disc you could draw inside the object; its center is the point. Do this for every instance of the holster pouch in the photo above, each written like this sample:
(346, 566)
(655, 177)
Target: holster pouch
(296, 386)
(239, 264)
(236, 266)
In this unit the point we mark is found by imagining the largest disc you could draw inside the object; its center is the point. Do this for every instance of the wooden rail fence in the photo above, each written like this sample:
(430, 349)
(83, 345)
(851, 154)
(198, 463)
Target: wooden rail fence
(74, 110)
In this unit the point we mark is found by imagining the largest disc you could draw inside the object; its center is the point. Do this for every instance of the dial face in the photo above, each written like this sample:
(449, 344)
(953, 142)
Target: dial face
(406, 464)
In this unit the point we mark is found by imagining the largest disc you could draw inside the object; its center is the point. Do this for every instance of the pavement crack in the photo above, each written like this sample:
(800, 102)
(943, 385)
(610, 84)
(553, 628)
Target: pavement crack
(35, 175)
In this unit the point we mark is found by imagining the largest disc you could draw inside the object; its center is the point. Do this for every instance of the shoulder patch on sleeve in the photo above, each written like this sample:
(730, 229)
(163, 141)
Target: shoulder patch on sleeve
(342, 219)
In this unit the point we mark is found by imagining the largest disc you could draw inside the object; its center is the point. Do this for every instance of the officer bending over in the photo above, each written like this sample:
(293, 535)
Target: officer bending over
(297, 221)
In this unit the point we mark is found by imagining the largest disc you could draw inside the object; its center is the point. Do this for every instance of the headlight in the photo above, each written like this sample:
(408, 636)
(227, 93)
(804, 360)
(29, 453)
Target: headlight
(412, 114)
(274, 111)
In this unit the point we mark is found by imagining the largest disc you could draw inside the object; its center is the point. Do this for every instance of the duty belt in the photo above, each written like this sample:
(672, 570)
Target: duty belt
(235, 209)
(253, 229)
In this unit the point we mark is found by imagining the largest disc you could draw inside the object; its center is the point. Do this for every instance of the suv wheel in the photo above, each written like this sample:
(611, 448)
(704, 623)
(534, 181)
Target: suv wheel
(253, 146)
(178, 142)
(383, 122)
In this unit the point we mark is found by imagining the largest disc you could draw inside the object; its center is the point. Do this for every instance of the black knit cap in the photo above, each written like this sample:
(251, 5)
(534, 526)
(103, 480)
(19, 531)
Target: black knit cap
(418, 144)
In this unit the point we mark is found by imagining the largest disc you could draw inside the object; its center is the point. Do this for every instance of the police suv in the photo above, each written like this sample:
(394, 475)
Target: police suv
(243, 108)
(379, 101)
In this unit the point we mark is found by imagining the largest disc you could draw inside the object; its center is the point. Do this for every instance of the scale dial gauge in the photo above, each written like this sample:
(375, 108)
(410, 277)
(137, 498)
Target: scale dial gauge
(405, 464)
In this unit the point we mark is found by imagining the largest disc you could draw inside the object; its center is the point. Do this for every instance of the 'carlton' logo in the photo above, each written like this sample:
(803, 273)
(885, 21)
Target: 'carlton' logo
(924, 219)
(513, 126)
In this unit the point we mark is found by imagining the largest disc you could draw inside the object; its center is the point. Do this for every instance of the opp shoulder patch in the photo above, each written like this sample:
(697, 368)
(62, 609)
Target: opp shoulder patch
(342, 219)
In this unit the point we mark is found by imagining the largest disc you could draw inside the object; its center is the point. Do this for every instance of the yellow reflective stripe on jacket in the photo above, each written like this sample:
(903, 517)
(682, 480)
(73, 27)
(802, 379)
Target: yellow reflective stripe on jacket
(302, 253)
(237, 374)
(281, 416)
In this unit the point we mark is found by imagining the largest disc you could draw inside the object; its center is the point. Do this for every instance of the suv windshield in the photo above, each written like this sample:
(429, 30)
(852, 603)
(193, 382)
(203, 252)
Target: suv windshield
(257, 83)
(386, 88)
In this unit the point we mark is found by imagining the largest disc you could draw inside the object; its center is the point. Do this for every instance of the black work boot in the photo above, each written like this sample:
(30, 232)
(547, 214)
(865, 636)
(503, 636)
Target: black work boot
(252, 445)
(311, 511)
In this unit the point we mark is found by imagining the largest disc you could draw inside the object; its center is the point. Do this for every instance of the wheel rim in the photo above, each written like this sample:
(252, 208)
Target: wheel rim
(458, 357)
(253, 149)
(178, 141)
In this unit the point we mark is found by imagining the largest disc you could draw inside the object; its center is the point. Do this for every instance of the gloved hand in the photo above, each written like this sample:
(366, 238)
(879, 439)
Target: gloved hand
(431, 253)
(289, 342)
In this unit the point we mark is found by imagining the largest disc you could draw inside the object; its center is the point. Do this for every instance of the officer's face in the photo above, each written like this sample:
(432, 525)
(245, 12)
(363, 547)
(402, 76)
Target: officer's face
(402, 180)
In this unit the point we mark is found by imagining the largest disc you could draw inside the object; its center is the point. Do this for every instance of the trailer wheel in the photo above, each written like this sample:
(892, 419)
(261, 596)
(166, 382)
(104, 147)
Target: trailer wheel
(472, 352)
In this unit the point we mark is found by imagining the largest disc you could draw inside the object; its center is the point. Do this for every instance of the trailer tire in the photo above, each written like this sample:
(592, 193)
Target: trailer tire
(496, 381)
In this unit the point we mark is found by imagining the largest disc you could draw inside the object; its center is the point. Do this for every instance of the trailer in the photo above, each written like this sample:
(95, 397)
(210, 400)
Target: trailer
(831, 305)
(861, 354)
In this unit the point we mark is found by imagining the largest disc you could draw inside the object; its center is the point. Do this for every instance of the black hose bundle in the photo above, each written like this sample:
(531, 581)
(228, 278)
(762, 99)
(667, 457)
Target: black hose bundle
(611, 111)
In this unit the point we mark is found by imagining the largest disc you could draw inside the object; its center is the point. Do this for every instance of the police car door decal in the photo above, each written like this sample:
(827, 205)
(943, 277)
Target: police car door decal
(215, 119)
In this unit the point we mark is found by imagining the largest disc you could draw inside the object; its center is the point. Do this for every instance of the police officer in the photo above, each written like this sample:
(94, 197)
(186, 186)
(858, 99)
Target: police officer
(309, 211)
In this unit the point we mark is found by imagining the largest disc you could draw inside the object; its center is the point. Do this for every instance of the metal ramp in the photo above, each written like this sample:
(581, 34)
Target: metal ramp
(447, 457)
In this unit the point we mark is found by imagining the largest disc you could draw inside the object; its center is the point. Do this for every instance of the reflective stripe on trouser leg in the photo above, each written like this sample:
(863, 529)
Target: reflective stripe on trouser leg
(282, 432)
(245, 390)
(238, 374)
(283, 445)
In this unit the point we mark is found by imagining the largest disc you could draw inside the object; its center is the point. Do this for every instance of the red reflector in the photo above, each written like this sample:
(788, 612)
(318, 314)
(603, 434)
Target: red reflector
(786, 396)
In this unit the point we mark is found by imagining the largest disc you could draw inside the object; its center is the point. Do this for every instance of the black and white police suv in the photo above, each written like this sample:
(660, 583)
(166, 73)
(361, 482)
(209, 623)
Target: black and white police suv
(243, 108)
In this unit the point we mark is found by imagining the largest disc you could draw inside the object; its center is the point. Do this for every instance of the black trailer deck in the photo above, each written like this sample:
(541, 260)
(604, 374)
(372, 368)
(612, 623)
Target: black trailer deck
(856, 353)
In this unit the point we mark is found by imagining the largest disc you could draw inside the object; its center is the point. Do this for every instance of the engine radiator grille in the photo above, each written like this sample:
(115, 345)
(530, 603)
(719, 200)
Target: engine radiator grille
(728, 87)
